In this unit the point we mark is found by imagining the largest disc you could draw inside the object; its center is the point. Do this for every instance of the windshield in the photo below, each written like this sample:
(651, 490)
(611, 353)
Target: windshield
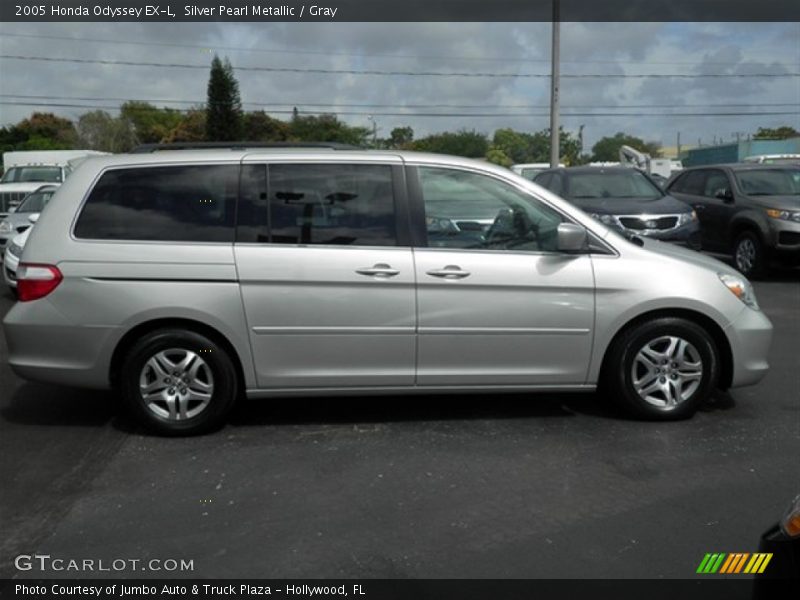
(23, 174)
(770, 182)
(35, 202)
(612, 184)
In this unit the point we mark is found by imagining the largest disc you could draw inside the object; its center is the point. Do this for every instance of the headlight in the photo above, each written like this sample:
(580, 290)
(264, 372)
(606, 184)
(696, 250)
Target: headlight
(741, 288)
(784, 215)
(14, 249)
(790, 524)
(604, 219)
(687, 217)
(5, 227)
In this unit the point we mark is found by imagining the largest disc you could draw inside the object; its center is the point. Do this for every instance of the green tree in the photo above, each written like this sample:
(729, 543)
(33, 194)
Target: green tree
(150, 123)
(98, 130)
(777, 133)
(224, 106)
(496, 156)
(516, 146)
(461, 143)
(325, 128)
(401, 137)
(260, 127)
(192, 128)
(44, 131)
(607, 148)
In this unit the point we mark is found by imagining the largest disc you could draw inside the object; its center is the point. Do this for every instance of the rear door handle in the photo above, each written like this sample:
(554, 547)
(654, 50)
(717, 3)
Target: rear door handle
(378, 270)
(449, 272)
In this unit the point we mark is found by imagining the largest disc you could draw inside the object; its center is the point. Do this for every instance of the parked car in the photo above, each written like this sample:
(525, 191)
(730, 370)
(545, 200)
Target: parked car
(11, 257)
(18, 220)
(627, 200)
(749, 210)
(184, 279)
(530, 170)
(782, 541)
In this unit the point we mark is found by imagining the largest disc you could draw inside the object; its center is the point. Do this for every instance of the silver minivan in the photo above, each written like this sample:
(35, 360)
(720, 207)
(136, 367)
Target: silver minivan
(186, 279)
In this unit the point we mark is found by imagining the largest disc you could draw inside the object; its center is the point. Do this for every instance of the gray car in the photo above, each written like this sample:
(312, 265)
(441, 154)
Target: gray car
(188, 279)
(18, 220)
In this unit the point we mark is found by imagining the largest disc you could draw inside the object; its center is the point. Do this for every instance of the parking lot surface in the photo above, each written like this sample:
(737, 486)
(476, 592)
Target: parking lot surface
(461, 486)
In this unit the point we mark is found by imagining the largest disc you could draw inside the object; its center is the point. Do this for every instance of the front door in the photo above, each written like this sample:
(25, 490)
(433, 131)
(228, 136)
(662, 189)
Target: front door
(497, 303)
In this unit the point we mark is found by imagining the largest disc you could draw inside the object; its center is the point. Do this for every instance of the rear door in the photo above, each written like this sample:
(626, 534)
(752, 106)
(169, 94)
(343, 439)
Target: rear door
(497, 303)
(327, 273)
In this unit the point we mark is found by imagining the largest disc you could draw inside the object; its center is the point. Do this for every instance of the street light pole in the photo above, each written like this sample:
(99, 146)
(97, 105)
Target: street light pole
(555, 150)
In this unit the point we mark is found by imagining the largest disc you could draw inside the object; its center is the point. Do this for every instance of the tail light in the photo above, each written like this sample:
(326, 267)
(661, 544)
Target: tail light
(36, 281)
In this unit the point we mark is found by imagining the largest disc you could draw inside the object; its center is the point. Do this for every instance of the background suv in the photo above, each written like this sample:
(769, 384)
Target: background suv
(185, 279)
(749, 210)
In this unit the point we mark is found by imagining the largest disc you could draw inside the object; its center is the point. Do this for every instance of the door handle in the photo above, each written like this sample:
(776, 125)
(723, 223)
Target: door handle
(449, 272)
(378, 270)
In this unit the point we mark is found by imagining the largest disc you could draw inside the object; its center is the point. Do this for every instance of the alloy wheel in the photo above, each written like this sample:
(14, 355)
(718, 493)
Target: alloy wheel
(176, 384)
(666, 372)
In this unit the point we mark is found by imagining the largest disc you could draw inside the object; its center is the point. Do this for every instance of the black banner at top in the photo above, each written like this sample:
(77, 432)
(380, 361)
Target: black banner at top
(399, 10)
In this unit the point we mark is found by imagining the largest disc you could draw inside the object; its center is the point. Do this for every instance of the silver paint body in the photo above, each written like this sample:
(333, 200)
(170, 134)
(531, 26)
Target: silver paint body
(321, 320)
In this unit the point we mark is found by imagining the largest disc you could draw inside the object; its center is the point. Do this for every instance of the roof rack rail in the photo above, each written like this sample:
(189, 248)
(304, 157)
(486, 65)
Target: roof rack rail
(145, 148)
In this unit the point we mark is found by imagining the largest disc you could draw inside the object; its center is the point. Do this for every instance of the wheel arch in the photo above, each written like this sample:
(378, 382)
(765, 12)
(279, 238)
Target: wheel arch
(134, 334)
(712, 327)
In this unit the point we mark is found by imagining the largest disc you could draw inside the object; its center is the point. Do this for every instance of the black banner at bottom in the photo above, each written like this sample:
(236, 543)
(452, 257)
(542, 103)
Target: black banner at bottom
(397, 589)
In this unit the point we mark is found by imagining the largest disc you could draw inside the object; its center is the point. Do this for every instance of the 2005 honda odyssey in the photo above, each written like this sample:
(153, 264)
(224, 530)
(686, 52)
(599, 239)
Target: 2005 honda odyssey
(185, 279)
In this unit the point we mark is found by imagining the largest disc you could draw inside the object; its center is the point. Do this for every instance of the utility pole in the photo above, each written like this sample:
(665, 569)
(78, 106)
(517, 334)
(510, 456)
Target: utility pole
(678, 146)
(555, 140)
(374, 131)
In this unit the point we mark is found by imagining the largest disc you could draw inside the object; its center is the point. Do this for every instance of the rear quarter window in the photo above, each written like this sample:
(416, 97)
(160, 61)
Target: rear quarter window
(193, 203)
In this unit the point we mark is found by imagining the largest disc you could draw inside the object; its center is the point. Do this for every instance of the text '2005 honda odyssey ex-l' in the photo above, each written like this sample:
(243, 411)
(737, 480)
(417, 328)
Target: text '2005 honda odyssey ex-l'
(185, 279)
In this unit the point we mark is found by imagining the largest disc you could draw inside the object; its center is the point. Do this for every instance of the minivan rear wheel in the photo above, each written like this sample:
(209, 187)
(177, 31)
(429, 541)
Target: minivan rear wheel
(178, 382)
(662, 369)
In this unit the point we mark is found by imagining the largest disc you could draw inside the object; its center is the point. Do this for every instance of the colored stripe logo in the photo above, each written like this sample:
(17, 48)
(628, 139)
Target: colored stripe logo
(734, 563)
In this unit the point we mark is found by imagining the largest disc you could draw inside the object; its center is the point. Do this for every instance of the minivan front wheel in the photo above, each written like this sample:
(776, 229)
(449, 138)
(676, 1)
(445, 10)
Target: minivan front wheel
(178, 382)
(663, 369)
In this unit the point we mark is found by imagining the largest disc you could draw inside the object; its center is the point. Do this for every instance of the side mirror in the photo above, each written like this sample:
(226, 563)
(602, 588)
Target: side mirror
(12, 209)
(571, 237)
(724, 194)
(33, 218)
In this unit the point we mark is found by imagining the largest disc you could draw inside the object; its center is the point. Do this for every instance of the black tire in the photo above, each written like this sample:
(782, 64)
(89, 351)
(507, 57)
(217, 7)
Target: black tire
(618, 381)
(749, 255)
(163, 415)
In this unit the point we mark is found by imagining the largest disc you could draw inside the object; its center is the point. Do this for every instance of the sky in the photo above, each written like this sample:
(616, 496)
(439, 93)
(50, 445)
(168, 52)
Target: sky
(487, 63)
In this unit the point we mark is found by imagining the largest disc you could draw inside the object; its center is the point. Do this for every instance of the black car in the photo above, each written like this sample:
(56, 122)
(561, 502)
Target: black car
(625, 199)
(782, 541)
(751, 211)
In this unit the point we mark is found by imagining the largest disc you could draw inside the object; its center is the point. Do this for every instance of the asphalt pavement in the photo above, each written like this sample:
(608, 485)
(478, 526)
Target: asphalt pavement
(464, 486)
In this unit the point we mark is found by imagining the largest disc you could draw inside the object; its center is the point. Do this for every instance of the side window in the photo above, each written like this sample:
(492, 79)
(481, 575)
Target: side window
(350, 205)
(470, 210)
(690, 183)
(177, 204)
(557, 185)
(543, 180)
(715, 181)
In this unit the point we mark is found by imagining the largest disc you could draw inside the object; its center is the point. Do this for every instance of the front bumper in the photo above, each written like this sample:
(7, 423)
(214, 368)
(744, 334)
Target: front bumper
(750, 336)
(688, 234)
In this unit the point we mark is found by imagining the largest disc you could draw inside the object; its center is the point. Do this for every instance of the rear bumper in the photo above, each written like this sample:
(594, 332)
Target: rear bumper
(44, 346)
(750, 336)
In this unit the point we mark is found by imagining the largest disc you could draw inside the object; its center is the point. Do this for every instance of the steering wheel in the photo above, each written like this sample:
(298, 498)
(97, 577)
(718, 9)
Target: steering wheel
(511, 227)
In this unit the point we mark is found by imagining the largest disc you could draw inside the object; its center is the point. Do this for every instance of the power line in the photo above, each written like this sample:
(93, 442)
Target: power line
(384, 105)
(320, 71)
(504, 59)
(448, 115)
